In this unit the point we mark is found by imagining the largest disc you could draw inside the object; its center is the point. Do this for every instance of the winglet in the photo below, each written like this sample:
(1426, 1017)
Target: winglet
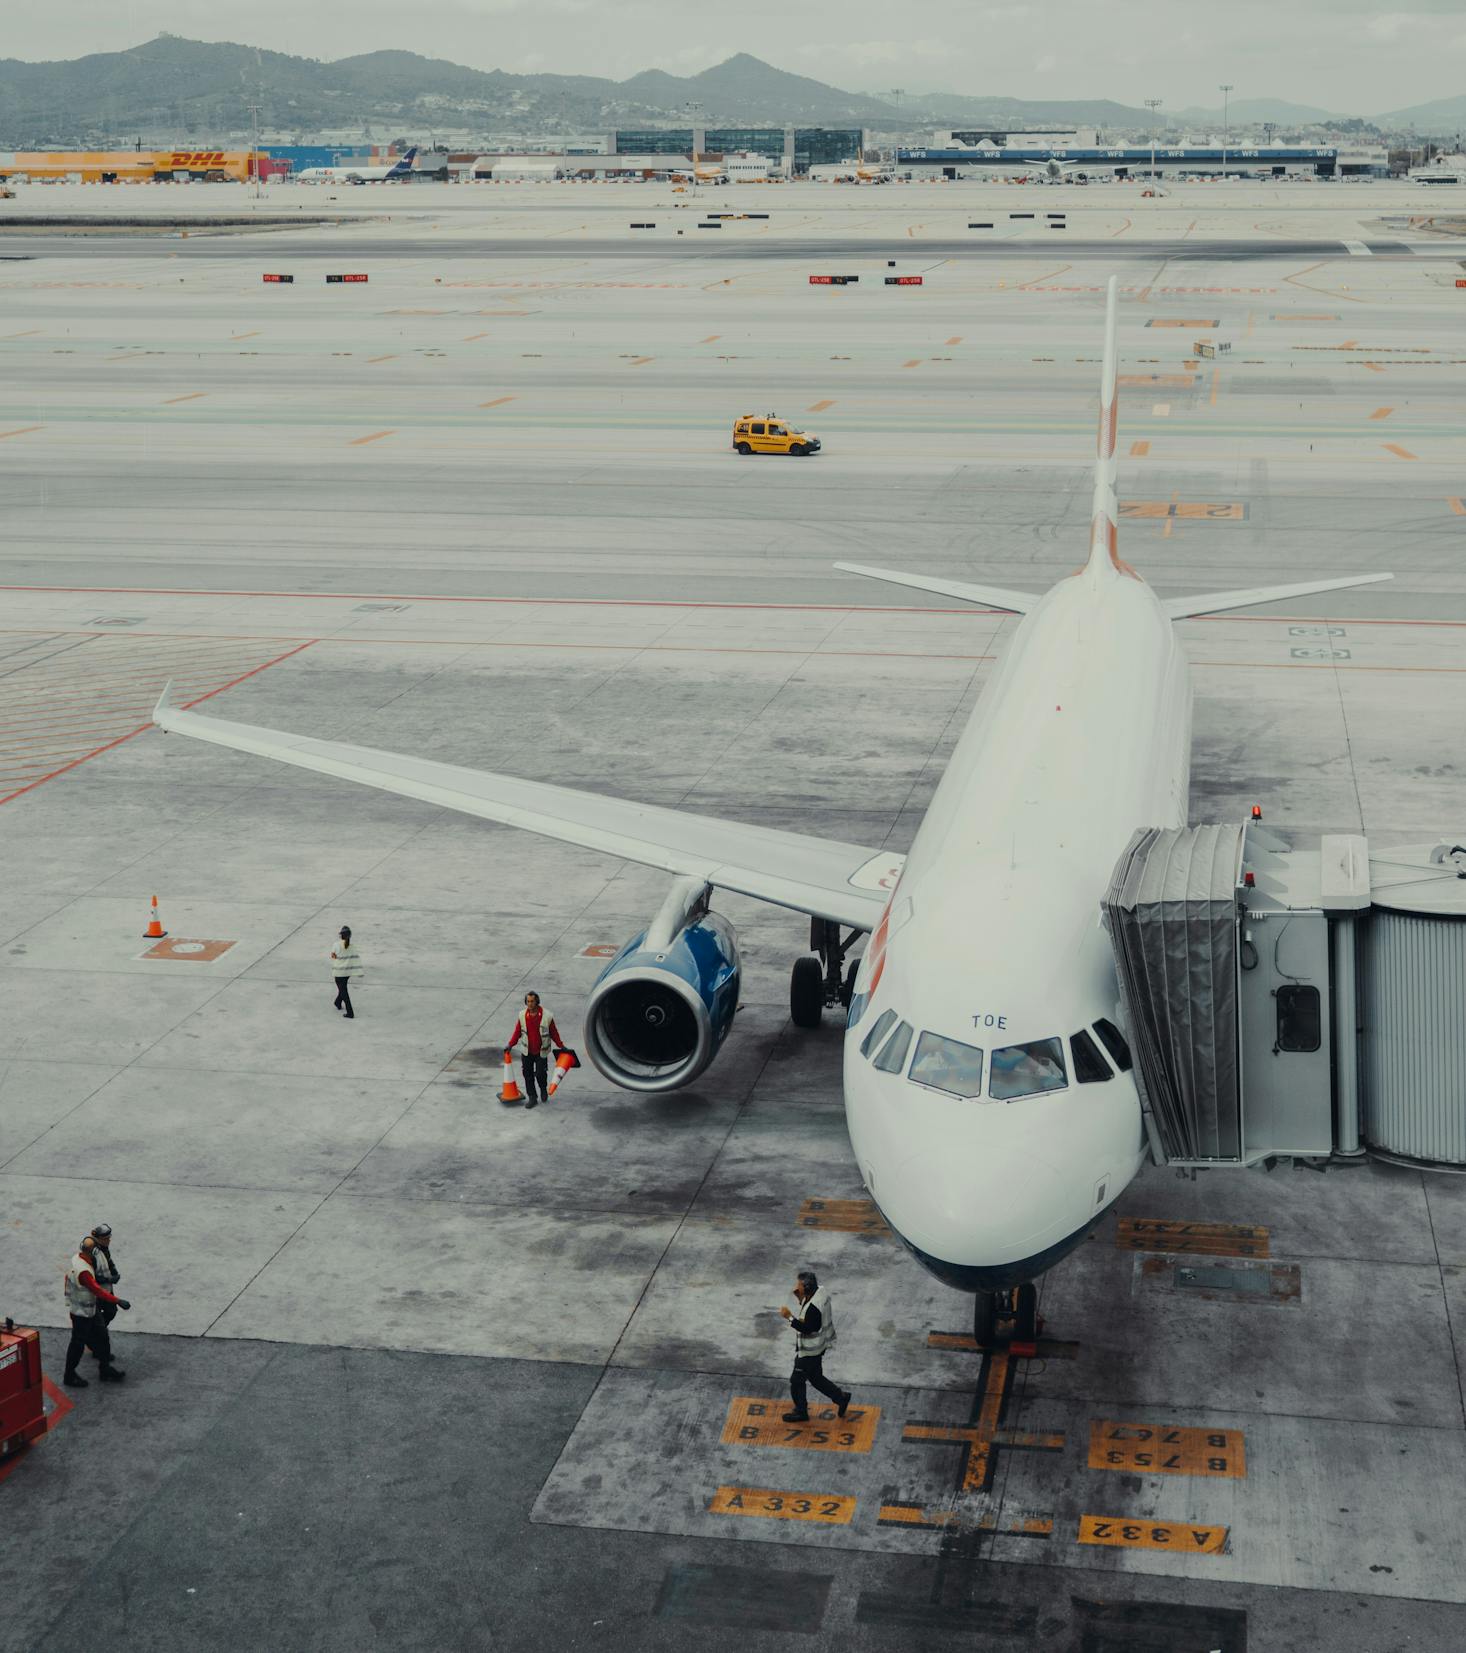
(164, 704)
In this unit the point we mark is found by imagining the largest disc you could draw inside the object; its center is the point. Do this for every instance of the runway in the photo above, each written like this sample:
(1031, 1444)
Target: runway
(411, 1368)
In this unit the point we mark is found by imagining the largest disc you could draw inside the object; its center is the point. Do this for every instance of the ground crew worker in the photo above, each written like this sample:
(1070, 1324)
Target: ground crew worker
(88, 1329)
(537, 1025)
(814, 1335)
(345, 963)
(107, 1271)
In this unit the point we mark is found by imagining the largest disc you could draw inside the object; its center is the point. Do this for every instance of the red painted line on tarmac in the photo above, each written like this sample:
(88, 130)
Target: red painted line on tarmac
(143, 728)
(61, 1404)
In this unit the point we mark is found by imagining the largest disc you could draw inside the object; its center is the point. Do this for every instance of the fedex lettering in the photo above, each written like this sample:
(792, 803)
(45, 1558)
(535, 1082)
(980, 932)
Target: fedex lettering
(197, 157)
(987, 1019)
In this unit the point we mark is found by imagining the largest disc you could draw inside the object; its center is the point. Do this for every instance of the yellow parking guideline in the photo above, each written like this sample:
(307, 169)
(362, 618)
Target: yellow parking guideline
(773, 1505)
(1175, 1235)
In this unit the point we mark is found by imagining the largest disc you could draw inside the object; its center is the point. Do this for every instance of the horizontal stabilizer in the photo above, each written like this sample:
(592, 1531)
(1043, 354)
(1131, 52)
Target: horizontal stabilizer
(1182, 608)
(986, 596)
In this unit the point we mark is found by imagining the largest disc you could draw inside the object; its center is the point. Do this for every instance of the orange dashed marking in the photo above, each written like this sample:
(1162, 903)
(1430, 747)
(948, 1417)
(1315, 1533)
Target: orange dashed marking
(373, 360)
(497, 402)
(1399, 452)
(1381, 413)
(819, 407)
(192, 397)
(376, 436)
(24, 430)
(1138, 450)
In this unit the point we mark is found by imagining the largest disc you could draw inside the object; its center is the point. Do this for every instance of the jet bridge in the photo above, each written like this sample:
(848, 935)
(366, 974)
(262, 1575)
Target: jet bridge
(1303, 1001)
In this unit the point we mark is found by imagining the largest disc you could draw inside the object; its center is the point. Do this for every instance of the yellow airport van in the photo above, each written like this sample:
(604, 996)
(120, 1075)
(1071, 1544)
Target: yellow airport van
(768, 433)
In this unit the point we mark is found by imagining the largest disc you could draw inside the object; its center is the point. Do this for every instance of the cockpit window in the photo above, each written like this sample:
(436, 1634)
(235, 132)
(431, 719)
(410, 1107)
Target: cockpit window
(879, 1030)
(1114, 1042)
(1025, 1070)
(893, 1053)
(1090, 1068)
(946, 1065)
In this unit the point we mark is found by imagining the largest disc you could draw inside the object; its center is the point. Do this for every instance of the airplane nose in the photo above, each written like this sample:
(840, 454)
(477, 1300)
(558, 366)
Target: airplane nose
(976, 1214)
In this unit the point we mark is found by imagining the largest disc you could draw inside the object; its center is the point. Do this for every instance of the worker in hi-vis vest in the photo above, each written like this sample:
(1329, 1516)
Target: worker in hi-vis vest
(537, 1027)
(84, 1298)
(814, 1337)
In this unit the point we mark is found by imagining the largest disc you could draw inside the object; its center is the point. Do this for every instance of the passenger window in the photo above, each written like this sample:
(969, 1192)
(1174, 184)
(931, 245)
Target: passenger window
(777, 430)
(1027, 1070)
(878, 1032)
(1090, 1068)
(947, 1065)
(893, 1056)
(758, 430)
(1114, 1042)
(1300, 1018)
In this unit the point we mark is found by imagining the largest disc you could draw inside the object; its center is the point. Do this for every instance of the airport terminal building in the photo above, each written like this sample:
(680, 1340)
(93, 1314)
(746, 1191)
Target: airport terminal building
(994, 151)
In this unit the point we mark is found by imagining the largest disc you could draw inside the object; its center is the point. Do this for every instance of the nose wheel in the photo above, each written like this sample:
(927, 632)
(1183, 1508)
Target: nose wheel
(1005, 1316)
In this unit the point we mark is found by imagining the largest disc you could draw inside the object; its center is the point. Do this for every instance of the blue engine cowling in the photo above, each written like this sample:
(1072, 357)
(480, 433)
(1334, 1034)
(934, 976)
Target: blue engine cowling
(658, 1015)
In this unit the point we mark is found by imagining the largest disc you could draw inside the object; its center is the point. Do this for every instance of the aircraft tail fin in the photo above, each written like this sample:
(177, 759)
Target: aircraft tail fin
(1104, 524)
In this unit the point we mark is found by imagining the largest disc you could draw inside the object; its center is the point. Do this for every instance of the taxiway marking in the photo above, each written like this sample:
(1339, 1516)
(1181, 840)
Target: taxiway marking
(955, 339)
(1457, 506)
(497, 402)
(914, 362)
(372, 360)
(376, 436)
(772, 1505)
(1187, 510)
(193, 396)
(712, 338)
(819, 407)
(234, 338)
(24, 430)
(1159, 1449)
(1381, 413)
(1163, 321)
(641, 361)
(1138, 450)
(1210, 1239)
(30, 333)
(1399, 452)
(1152, 1535)
(471, 337)
(1160, 381)
(916, 1515)
(755, 1420)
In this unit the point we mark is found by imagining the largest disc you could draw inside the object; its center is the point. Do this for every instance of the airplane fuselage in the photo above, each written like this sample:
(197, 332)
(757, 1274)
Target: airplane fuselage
(992, 941)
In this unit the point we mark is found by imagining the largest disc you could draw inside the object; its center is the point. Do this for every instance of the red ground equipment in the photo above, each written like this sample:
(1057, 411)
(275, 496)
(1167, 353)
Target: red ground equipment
(22, 1401)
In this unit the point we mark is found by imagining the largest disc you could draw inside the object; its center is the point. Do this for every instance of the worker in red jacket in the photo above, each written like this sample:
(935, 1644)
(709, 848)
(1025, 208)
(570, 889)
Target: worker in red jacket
(537, 1027)
(84, 1299)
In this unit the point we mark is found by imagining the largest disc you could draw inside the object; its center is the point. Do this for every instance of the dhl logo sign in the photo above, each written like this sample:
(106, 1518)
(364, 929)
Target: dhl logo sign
(196, 157)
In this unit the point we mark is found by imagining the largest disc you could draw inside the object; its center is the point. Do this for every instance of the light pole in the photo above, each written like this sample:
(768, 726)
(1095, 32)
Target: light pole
(1226, 91)
(1152, 104)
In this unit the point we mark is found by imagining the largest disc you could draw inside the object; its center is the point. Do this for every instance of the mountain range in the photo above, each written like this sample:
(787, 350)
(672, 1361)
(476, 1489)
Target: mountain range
(205, 91)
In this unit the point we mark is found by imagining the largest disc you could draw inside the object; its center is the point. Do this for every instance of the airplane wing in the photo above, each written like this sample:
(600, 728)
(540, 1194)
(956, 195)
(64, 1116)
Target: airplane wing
(819, 876)
(1182, 608)
(987, 596)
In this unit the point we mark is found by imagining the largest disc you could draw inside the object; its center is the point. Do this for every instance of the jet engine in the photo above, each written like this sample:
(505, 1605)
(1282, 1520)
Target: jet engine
(663, 1006)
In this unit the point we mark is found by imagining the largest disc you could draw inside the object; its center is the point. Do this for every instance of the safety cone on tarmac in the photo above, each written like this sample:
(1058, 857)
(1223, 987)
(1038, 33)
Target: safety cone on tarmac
(566, 1060)
(511, 1091)
(155, 930)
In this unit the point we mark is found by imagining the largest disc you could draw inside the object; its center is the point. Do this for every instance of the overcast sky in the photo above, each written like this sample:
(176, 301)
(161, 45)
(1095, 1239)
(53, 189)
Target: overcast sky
(1351, 56)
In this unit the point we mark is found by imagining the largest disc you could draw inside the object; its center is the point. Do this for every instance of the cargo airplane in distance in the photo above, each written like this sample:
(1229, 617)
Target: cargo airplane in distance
(987, 1079)
(360, 173)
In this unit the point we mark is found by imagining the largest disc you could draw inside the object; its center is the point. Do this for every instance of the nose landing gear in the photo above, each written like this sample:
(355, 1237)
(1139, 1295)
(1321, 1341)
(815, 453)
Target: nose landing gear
(1006, 1316)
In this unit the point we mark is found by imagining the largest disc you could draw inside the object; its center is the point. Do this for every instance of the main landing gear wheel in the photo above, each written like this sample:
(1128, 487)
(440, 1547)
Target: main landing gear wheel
(806, 992)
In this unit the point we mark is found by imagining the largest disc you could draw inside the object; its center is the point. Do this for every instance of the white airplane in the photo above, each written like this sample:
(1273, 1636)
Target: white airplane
(353, 173)
(987, 1081)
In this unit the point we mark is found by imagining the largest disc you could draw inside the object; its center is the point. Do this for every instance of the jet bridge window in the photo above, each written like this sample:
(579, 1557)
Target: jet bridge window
(893, 1053)
(1300, 1018)
(1114, 1042)
(946, 1065)
(1090, 1068)
(1027, 1070)
(878, 1032)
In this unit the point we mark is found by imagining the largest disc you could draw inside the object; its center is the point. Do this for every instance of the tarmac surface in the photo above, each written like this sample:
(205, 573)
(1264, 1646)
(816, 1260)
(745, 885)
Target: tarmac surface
(409, 1368)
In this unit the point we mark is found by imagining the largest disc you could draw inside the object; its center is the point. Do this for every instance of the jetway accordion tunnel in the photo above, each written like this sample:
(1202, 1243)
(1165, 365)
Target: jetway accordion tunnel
(1293, 1000)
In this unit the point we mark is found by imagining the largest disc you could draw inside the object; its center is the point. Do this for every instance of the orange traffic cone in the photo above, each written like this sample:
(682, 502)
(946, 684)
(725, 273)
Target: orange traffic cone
(155, 930)
(566, 1060)
(511, 1091)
